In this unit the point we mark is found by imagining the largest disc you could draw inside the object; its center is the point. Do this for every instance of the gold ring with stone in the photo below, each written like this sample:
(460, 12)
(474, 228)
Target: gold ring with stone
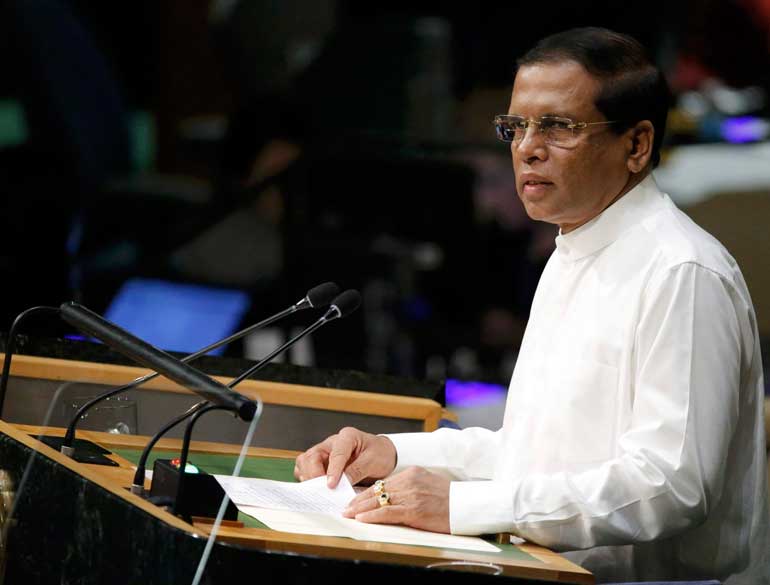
(383, 499)
(379, 487)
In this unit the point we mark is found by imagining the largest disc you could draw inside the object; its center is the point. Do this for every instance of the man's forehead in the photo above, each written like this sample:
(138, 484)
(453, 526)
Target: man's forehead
(564, 85)
(556, 71)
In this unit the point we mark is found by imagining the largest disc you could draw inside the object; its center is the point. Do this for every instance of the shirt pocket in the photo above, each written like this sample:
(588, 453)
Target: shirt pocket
(586, 412)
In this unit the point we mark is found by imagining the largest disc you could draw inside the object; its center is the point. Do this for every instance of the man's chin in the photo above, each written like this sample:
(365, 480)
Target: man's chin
(537, 213)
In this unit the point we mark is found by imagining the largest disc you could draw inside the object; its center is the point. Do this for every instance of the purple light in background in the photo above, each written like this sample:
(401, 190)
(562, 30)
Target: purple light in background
(463, 394)
(743, 129)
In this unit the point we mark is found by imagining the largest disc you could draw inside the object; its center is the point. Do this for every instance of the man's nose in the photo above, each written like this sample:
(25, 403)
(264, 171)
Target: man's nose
(531, 145)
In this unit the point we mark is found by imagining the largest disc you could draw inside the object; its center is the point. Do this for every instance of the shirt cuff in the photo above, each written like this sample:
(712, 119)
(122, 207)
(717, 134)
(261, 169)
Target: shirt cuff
(410, 449)
(480, 507)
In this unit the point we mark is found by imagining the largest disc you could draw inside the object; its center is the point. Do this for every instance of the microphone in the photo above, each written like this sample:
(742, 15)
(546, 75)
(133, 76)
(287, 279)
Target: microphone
(318, 296)
(151, 357)
(341, 306)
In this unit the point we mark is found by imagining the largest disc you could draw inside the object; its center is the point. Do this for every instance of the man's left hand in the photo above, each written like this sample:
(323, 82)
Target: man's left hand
(418, 498)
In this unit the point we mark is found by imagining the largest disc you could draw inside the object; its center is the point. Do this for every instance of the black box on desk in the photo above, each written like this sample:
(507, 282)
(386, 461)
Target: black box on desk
(201, 493)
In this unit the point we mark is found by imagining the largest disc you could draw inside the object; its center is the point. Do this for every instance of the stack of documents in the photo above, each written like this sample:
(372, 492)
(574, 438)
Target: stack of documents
(311, 507)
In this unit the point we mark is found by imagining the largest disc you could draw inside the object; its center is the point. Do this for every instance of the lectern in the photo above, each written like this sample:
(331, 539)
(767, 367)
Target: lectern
(70, 522)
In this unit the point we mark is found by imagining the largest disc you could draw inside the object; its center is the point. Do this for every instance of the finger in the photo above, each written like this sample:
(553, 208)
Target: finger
(383, 515)
(367, 494)
(338, 459)
(393, 485)
(360, 469)
(312, 464)
(361, 504)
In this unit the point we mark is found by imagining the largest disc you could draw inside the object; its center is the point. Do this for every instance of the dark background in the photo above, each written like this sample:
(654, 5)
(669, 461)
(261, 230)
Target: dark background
(270, 146)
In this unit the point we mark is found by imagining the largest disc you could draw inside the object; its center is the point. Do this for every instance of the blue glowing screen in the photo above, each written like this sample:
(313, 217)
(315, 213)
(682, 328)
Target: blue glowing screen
(176, 316)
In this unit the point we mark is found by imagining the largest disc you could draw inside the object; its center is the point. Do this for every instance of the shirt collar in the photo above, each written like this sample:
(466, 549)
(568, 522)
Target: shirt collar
(607, 227)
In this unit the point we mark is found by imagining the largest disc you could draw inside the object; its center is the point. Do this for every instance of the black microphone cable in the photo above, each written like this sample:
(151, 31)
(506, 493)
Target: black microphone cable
(10, 346)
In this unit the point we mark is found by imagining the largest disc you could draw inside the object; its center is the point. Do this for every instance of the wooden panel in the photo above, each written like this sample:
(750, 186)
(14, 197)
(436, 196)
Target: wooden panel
(278, 393)
(50, 402)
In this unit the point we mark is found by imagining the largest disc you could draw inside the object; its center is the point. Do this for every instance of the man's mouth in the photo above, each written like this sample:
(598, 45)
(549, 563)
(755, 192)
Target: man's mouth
(533, 189)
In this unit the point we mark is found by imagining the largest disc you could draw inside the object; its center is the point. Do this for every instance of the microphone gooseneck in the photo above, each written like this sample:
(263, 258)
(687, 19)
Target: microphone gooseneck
(10, 347)
(341, 306)
(199, 412)
(151, 357)
(317, 296)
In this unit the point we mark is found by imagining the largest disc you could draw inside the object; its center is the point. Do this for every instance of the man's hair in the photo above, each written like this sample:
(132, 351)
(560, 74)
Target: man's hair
(632, 88)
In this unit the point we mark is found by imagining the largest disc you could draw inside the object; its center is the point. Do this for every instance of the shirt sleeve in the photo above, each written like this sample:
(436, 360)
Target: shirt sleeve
(692, 334)
(467, 454)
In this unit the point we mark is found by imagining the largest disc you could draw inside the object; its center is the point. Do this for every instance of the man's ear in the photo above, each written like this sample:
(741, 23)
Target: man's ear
(640, 151)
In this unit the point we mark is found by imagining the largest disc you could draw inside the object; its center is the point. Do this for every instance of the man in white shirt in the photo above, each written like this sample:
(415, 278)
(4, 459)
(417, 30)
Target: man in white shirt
(633, 434)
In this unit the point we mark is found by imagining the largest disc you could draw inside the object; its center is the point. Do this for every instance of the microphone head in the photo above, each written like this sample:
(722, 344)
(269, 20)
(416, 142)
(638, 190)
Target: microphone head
(346, 303)
(323, 294)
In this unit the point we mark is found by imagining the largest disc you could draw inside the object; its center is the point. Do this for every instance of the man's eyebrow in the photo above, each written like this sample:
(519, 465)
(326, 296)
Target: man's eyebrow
(559, 115)
(548, 114)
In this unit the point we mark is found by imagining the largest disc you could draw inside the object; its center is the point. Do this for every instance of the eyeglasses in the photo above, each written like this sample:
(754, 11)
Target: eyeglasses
(554, 130)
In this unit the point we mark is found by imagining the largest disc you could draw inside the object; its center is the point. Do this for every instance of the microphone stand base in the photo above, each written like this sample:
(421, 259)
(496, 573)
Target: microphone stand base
(81, 451)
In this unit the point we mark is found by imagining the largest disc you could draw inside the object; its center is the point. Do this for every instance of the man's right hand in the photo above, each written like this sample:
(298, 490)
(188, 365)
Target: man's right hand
(359, 455)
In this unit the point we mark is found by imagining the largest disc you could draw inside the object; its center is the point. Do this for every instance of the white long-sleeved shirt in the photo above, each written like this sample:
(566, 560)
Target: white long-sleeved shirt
(633, 430)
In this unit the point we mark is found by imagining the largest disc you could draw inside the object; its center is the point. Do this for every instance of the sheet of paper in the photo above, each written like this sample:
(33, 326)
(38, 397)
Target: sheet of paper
(406, 535)
(311, 507)
(308, 496)
(328, 525)
(299, 522)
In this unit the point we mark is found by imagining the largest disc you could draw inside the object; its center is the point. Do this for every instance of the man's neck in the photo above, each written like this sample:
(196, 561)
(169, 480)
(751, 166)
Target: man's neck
(633, 180)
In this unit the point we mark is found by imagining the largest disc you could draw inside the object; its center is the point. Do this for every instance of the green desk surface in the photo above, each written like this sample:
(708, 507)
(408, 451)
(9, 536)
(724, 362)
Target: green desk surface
(267, 468)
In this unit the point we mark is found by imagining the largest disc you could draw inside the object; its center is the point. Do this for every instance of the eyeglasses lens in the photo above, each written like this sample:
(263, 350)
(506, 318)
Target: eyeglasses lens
(556, 131)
